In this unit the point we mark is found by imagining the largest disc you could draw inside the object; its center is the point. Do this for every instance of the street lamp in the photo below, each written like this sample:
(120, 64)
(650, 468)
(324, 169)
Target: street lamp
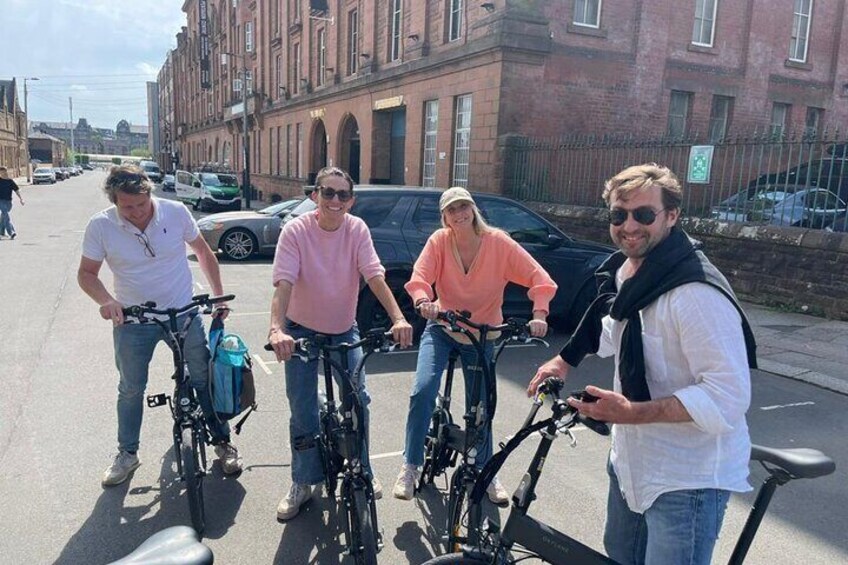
(245, 188)
(26, 129)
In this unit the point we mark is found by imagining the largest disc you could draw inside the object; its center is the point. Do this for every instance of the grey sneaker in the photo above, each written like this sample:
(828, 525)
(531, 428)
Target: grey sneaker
(377, 487)
(229, 457)
(405, 485)
(120, 469)
(497, 493)
(290, 505)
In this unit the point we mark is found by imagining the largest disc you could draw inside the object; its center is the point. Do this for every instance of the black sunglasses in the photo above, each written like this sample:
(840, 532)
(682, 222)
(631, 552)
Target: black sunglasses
(329, 193)
(645, 215)
(145, 241)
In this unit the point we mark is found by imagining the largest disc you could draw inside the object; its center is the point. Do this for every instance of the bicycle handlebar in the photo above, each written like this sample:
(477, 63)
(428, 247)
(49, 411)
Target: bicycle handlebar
(377, 338)
(140, 310)
(515, 328)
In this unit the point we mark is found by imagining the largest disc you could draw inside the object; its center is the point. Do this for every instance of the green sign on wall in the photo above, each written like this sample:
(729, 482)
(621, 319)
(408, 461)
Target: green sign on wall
(700, 164)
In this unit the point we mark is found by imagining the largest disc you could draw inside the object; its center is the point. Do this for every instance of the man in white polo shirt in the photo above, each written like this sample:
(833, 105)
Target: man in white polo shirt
(143, 240)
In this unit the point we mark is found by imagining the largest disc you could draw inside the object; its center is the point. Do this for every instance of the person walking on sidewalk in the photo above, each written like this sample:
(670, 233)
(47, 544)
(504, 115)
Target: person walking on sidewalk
(683, 350)
(7, 186)
(143, 240)
(320, 260)
(470, 264)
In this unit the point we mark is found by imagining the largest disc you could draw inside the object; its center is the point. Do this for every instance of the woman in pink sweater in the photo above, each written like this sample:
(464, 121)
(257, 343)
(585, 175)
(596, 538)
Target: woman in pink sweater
(470, 264)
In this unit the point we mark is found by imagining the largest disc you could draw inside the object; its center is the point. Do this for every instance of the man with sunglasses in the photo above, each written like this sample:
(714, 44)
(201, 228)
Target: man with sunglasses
(683, 349)
(143, 240)
(320, 259)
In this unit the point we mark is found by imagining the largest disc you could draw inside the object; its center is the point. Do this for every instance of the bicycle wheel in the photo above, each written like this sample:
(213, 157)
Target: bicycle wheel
(193, 476)
(455, 559)
(329, 458)
(434, 447)
(463, 518)
(364, 533)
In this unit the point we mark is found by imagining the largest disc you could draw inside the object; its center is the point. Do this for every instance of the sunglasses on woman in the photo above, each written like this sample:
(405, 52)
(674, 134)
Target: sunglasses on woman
(645, 215)
(329, 193)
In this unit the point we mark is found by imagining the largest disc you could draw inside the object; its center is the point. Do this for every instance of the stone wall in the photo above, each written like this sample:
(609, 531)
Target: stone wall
(798, 269)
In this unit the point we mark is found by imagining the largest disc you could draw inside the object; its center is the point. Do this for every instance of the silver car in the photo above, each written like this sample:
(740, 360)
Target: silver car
(239, 235)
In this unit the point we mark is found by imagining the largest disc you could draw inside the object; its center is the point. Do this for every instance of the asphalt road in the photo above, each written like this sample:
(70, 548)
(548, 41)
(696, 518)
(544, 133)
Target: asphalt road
(57, 433)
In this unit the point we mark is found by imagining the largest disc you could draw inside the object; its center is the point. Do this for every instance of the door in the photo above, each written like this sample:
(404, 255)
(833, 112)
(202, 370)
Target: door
(187, 186)
(397, 162)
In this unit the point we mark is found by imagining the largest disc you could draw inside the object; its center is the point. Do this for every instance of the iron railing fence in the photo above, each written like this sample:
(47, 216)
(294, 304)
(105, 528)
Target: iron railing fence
(789, 180)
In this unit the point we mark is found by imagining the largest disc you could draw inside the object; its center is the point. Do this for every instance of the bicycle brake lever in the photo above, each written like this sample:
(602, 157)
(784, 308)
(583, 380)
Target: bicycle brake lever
(540, 340)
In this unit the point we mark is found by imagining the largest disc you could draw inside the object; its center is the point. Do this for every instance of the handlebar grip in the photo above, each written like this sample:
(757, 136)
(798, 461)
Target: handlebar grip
(221, 298)
(268, 347)
(600, 428)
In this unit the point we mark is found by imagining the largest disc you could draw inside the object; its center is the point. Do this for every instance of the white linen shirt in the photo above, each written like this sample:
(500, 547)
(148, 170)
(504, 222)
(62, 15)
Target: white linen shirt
(166, 278)
(694, 349)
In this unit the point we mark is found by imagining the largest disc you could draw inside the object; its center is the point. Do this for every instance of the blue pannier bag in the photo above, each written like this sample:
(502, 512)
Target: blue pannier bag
(230, 375)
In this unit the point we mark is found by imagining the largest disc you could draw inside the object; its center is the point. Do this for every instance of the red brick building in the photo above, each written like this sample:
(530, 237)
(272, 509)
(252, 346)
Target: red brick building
(427, 92)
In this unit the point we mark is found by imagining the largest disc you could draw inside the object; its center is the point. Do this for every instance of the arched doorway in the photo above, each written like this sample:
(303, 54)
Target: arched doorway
(226, 157)
(319, 150)
(349, 147)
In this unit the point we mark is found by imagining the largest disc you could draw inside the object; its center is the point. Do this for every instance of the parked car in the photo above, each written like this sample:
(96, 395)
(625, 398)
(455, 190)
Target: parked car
(44, 175)
(829, 172)
(240, 235)
(809, 208)
(151, 169)
(402, 218)
(168, 183)
(207, 191)
(87, 167)
(749, 206)
(61, 174)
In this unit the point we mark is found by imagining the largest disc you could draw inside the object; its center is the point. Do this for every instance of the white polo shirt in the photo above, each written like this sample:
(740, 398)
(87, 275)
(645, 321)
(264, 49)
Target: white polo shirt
(165, 278)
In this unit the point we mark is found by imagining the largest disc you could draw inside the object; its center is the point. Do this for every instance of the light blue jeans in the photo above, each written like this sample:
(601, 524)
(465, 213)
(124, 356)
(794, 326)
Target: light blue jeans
(680, 527)
(6, 227)
(302, 393)
(433, 353)
(134, 345)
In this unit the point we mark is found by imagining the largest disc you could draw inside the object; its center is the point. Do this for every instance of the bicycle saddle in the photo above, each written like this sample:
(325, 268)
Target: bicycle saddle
(178, 545)
(801, 463)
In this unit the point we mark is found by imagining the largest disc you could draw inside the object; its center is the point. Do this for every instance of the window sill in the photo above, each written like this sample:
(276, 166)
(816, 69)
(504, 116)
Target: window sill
(790, 64)
(586, 30)
(701, 49)
(295, 27)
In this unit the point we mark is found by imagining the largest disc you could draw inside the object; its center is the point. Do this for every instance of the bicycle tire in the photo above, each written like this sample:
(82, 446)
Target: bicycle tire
(455, 559)
(193, 476)
(433, 450)
(456, 508)
(328, 456)
(362, 527)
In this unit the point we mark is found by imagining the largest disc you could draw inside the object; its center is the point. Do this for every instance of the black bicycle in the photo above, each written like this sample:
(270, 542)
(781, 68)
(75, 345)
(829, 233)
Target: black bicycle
(446, 442)
(342, 435)
(190, 431)
(524, 537)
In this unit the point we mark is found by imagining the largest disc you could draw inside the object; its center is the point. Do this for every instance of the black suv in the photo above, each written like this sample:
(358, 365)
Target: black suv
(402, 218)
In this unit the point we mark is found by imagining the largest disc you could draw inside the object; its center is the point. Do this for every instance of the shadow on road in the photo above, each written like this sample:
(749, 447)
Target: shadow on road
(318, 527)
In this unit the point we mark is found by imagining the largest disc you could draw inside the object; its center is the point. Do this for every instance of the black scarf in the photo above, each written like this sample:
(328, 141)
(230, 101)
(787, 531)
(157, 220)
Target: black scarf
(674, 262)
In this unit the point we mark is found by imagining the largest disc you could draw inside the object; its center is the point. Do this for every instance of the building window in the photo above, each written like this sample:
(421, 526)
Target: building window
(248, 37)
(431, 127)
(352, 42)
(462, 140)
(275, 18)
(295, 65)
(298, 150)
(813, 122)
(678, 114)
(278, 73)
(720, 117)
(248, 80)
(279, 150)
(703, 30)
(296, 10)
(779, 116)
(455, 20)
(800, 30)
(322, 55)
(288, 150)
(587, 13)
(394, 52)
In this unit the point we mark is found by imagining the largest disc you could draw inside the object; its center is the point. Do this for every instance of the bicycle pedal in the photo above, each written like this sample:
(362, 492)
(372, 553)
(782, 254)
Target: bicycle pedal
(156, 400)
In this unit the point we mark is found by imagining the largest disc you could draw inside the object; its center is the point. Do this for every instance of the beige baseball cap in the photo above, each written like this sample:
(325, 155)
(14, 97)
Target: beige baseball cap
(452, 195)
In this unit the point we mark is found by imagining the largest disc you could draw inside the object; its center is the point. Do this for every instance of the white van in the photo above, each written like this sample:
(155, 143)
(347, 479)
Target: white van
(152, 170)
(208, 191)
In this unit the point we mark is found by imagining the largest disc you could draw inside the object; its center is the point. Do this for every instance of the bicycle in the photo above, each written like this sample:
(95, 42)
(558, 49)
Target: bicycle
(531, 538)
(342, 435)
(446, 442)
(190, 431)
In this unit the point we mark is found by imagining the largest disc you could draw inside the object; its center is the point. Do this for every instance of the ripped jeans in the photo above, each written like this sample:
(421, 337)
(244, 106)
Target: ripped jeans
(302, 393)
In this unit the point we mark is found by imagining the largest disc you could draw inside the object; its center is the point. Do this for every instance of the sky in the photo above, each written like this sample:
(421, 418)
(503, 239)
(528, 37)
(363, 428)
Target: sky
(100, 53)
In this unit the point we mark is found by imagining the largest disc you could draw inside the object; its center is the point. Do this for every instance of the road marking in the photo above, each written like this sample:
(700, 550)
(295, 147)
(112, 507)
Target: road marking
(777, 406)
(386, 455)
(233, 313)
(262, 364)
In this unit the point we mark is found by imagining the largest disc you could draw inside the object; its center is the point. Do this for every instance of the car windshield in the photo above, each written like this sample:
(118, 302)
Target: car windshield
(218, 179)
(277, 208)
(305, 206)
(43, 171)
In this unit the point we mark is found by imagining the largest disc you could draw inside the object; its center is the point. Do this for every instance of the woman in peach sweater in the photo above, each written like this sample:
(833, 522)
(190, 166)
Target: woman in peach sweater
(470, 264)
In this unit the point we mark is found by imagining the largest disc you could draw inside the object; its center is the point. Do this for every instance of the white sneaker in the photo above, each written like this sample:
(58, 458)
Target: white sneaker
(229, 457)
(290, 505)
(120, 469)
(377, 487)
(405, 485)
(497, 493)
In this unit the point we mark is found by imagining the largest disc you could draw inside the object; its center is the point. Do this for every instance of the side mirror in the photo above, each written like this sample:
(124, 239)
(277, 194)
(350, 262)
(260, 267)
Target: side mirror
(555, 241)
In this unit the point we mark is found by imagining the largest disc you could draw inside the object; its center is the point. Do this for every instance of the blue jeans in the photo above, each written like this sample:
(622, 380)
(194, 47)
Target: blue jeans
(680, 527)
(6, 227)
(433, 353)
(134, 345)
(302, 393)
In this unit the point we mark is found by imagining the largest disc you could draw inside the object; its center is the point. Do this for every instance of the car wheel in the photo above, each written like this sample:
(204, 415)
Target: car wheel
(195, 205)
(371, 314)
(238, 244)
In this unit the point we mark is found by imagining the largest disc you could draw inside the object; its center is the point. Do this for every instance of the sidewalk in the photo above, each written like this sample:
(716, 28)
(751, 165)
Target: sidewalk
(801, 347)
